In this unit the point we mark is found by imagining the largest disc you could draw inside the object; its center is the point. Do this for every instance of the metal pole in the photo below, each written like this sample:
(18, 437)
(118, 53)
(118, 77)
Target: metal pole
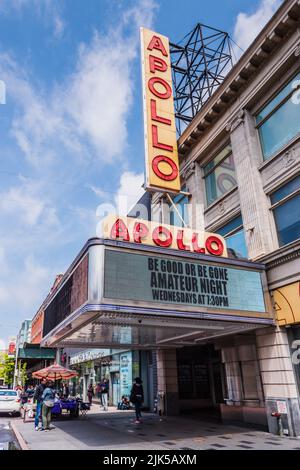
(177, 211)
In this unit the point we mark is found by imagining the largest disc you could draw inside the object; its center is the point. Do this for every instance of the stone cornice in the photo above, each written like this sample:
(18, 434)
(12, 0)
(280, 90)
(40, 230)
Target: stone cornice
(281, 25)
(282, 256)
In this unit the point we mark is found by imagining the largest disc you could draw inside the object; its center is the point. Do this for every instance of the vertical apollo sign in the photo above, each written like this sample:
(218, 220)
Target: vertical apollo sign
(162, 166)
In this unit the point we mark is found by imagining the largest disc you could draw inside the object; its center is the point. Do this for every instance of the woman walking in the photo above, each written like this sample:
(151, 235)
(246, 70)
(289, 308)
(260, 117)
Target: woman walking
(90, 393)
(137, 398)
(48, 403)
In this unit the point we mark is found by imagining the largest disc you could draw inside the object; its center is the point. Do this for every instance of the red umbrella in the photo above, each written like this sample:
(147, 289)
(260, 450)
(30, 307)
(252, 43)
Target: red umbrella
(55, 372)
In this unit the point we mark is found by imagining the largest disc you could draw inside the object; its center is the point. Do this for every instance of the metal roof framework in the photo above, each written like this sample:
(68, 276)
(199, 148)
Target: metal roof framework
(200, 63)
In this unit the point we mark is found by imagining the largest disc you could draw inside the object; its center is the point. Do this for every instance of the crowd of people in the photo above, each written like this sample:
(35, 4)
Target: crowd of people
(45, 395)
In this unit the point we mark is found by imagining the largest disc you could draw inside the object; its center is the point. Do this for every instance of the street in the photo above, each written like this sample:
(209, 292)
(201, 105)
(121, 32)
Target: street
(115, 430)
(7, 438)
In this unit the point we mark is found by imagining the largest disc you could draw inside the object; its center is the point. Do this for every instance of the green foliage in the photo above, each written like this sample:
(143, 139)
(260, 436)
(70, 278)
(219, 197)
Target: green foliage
(7, 366)
(22, 373)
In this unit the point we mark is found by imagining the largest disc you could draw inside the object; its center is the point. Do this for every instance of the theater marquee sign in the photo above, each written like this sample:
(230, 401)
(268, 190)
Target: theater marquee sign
(167, 280)
(141, 296)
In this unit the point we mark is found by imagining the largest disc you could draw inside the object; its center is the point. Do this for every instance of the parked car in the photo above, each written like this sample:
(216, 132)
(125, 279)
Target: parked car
(9, 401)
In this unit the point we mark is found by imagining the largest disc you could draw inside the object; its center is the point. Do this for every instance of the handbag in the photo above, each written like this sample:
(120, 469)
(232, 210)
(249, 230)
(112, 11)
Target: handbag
(49, 402)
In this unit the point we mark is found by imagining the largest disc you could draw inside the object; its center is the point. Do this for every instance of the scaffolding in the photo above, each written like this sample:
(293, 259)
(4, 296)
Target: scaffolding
(200, 63)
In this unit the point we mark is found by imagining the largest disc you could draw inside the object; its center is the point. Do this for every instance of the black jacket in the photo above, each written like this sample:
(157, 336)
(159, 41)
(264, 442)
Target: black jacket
(39, 392)
(137, 393)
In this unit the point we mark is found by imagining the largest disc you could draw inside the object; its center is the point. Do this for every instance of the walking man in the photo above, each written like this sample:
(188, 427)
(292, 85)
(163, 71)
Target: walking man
(39, 401)
(104, 394)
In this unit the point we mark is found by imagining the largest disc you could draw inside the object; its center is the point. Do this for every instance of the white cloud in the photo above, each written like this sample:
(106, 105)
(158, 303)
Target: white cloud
(59, 130)
(2, 344)
(248, 26)
(87, 113)
(129, 192)
(46, 10)
(26, 289)
(26, 204)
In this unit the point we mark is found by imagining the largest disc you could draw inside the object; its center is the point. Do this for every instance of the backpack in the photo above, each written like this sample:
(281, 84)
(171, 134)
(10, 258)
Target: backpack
(49, 400)
(136, 394)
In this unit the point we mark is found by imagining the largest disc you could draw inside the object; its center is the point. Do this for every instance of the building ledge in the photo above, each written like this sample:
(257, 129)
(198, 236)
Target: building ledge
(283, 255)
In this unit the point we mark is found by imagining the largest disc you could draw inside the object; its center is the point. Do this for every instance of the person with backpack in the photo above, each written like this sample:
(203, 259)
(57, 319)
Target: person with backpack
(39, 402)
(137, 398)
(48, 398)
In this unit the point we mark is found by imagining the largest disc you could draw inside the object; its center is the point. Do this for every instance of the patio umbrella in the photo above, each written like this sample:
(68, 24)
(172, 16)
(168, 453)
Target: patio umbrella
(54, 372)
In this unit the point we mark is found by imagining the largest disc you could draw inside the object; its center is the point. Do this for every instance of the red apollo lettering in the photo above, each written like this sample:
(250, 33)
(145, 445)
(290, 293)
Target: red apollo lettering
(159, 145)
(156, 63)
(151, 85)
(156, 43)
(119, 230)
(180, 242)
(154, 115)
(209, 246)
(155, 167)
(196, 247)
(157, 232)
(140, 231)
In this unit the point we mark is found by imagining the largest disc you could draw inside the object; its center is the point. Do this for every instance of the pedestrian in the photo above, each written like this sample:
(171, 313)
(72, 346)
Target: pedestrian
(137, 398)
(104, 387)
(30, 391)
(66, 390)
(48, 403)
(39, 401)
(98, 393)
(90, 393)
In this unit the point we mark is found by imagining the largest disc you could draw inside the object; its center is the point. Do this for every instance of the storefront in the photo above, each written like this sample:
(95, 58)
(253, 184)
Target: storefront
(119, 367)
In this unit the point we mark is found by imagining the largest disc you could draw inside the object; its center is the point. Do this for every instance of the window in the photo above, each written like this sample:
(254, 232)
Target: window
(234, 235)
(286, 209)
(219, 175)
(279, 121)
(181, 202)
(249, 382)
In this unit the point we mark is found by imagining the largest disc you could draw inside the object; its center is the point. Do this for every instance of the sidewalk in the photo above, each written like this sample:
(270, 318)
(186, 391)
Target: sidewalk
(115, 430)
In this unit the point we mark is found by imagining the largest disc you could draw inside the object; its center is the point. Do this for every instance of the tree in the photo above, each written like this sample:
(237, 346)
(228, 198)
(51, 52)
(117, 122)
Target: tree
(22, 373)
(7, 367)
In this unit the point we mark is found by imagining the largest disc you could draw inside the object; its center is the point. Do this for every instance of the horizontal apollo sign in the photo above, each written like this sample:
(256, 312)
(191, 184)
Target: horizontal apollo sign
(162, 166)
(167, 236)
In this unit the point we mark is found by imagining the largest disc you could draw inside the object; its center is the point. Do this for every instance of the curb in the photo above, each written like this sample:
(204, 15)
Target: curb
(22, 443)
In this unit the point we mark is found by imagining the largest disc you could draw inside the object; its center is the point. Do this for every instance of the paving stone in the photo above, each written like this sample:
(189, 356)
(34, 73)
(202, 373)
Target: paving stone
(218, 445)
(247, 442)
(273, 443)
(244, 446)
(170, 443)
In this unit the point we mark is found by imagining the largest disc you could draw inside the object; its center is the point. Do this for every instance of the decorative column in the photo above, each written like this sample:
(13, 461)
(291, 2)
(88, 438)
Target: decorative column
(258, 223)
(278, 379)
(167, 380)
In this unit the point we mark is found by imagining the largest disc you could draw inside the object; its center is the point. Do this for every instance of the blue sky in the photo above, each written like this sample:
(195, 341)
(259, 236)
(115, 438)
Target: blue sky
(71, 129)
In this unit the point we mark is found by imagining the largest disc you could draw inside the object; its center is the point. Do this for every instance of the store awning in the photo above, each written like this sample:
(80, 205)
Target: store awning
(36, 353)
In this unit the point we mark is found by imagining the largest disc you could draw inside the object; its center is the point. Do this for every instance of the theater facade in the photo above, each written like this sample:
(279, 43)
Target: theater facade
(207, 290)
(175, 306)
